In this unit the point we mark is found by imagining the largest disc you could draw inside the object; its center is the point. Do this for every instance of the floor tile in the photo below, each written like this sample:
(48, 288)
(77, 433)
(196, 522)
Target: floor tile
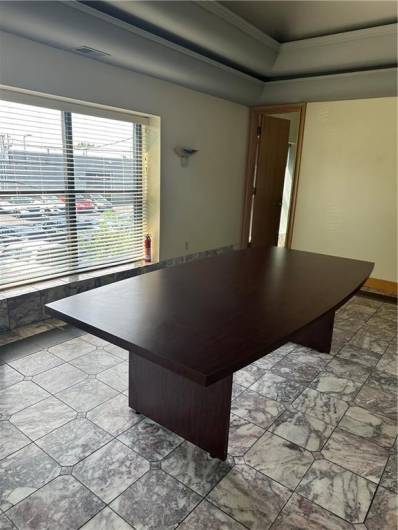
(86, 395)
(249, 375)
(356, 454)
(270, 359)
(306, 431)
(24, 472)
(348, 324)
(249, 497)
(19, 396)
(11, 438)
(279, 459)
(59, 378)
(349, 370)
(310, 357)
(36, 363)
(388, 311)
(118, 352)
(236, 390)
(357, 311)
(337, 490)
(389, 479)
(359, 355)
(20, 348)
(383, 324)
(5, 523)
(383, 514)
(342, 336)
(9, 376)
(375, 428)
(110, 470)
(71, 349)
(368, 341)
(64, 504)
(117, 377)
(106, 519)
(377, 401)
(208, 517)
(379, 330)
(365, 301)
(384, 381)
(170, 502)
(242, 435)
(322, 406)
(58, 336)
(195, 468)
(265, 364)
(301, 514)
(94, 340)
(389, 363)
(114, 416)
(256, 408)
(74, 441)
(95, 362)
(150, 440)
(278, 388)
(282, 351)
(338, 387)
(43, 417)
(295, 371)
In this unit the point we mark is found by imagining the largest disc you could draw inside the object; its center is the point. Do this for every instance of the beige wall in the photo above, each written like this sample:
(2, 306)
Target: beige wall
(200, 204)
(347, 195)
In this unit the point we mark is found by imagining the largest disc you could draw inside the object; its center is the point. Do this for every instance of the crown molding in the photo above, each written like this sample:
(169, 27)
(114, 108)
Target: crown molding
(219, 10)
(341, 38)
(155, 38)
(334, 87)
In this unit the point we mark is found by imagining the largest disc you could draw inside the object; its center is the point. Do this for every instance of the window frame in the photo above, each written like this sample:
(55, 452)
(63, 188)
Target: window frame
(67, 107)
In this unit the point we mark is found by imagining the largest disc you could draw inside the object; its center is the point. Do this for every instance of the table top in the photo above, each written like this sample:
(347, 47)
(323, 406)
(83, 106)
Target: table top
(208, 318)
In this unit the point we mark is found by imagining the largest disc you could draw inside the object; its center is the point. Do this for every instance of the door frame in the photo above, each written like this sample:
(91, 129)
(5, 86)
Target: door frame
(251, 160)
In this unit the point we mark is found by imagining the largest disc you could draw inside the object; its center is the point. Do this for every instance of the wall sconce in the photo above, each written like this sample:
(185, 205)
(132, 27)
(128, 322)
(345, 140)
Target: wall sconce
(184, 153)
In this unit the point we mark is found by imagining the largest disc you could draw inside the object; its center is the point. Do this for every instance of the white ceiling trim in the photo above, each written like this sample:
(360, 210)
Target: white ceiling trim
(152, 37)
(217, 9)
(388, 30)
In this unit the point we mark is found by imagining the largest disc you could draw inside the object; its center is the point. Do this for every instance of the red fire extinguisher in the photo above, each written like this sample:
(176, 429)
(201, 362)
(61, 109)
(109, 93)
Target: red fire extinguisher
(147, 248)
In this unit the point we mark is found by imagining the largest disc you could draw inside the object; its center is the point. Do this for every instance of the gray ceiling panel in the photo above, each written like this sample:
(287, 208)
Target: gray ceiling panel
(287, 21)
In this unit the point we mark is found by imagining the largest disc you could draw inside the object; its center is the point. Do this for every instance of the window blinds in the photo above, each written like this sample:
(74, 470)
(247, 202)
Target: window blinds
(72, 191)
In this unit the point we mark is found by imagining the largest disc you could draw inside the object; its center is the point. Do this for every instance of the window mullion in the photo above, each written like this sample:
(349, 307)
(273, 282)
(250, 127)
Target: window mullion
(70, 189)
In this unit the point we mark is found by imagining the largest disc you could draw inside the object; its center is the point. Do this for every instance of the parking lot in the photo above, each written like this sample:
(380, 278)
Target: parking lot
(37, 234)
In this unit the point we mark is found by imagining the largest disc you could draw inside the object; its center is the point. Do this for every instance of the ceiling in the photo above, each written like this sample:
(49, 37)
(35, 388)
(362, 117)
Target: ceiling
(286, 21)
(229, 49)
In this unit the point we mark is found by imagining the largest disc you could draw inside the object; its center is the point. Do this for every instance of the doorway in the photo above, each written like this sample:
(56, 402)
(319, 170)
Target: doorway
(275, 142)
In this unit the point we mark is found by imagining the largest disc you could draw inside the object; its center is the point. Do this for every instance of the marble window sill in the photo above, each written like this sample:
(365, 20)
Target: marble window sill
(25, 305)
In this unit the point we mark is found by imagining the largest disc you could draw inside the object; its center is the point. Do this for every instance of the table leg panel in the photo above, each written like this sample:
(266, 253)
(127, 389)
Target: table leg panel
(200, 414)
(318, 334)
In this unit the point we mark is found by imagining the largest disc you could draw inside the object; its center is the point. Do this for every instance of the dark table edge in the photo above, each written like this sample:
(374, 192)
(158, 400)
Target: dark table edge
(201, 379)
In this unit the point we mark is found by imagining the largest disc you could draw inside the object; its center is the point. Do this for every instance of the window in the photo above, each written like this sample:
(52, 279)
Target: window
(72, 191)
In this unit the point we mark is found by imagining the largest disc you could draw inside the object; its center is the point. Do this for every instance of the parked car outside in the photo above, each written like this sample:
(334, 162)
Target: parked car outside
(52, 205)
(24, 206)
(100, 202)
(83, 204)
(6, 207)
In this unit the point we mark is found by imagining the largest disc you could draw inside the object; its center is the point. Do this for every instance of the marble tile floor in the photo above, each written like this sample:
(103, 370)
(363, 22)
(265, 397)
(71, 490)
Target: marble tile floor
(313, 439)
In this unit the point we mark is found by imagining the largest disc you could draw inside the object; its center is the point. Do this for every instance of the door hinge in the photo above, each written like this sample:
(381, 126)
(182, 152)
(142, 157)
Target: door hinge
(258, 131)
(254, 190)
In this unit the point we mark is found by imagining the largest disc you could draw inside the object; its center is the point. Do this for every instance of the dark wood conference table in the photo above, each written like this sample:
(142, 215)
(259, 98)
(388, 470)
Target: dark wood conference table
(189, 328)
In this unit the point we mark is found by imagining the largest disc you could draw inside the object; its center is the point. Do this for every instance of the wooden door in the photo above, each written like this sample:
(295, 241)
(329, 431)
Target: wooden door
(268, 180)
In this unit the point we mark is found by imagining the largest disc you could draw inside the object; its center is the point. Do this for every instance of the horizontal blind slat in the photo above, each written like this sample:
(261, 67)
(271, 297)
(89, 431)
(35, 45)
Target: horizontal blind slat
(72, 192)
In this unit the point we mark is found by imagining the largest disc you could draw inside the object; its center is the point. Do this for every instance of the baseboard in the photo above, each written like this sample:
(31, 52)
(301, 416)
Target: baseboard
(384, 287)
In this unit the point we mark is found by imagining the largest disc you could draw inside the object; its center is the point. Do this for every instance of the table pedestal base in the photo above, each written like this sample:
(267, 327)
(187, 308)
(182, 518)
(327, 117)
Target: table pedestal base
(318, 334)
(200, 414)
